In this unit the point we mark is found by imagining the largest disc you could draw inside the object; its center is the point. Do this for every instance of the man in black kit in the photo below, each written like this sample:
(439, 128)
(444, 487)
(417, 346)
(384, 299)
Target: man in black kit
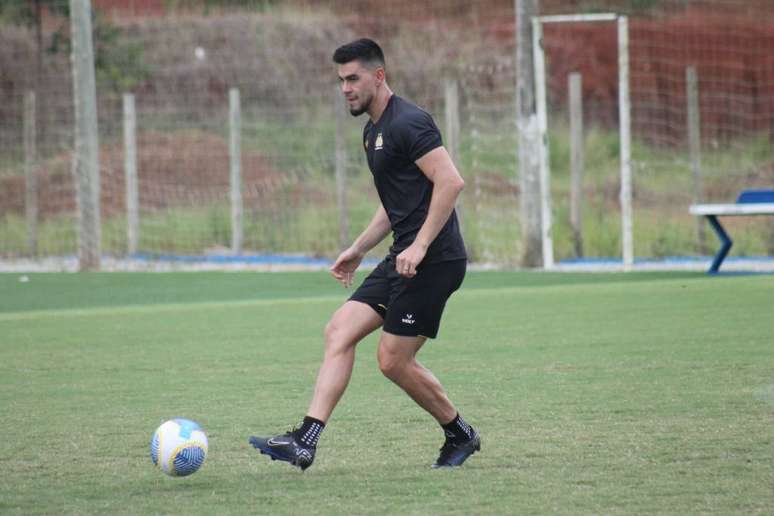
(418, 186)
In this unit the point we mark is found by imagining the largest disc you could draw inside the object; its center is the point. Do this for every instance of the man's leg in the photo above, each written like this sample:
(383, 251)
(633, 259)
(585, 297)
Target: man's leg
(353, 321)
(397, 360)
(349, 324)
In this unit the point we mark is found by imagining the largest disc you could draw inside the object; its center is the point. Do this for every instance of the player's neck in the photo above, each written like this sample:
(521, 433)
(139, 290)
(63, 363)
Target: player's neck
(379, 104)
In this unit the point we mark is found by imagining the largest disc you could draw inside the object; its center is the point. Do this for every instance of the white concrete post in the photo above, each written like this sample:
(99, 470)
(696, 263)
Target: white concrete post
(30, 174)
(694, 143)
(341, 170)
(130, 175)
(528, 136)
(575, 83)
(86, 154)
(452, 133)
(235, 159)
(624, 107)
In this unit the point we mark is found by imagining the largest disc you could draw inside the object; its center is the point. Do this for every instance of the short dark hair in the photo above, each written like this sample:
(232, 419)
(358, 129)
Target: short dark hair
(365, 50)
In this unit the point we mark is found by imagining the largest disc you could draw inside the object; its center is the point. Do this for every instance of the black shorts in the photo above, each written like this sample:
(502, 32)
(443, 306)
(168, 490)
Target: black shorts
(411, 306)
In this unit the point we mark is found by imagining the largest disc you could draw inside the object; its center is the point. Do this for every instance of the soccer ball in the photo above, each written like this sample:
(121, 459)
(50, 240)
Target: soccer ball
(179, 447)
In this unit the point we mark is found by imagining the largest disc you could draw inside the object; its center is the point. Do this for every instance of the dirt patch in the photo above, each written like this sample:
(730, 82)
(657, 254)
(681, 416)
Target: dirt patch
(181, 169)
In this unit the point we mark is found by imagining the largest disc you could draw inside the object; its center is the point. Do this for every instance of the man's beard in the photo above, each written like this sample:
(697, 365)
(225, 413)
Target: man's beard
(362, 109)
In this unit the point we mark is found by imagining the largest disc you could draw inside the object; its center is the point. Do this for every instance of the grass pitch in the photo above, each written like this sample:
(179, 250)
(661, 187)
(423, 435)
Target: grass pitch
(594, 394)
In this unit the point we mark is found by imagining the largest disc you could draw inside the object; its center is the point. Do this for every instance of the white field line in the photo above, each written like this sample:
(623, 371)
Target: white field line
(101, 311)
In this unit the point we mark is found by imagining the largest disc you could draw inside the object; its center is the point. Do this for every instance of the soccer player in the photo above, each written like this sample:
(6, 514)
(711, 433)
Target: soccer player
(405, 295)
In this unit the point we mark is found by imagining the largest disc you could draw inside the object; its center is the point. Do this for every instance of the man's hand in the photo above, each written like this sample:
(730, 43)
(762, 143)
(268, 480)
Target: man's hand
(343, 269)
(406, 262)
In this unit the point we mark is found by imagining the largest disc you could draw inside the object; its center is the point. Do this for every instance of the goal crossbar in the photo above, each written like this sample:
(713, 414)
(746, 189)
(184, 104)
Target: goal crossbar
(569, 18)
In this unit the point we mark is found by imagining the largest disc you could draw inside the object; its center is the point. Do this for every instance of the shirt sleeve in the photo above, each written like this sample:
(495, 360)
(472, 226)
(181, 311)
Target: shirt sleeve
(418, 134)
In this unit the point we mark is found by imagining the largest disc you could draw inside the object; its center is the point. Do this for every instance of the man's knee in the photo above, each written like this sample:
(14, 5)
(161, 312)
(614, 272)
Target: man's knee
(348, 325)
(335, 335)
(391, 363)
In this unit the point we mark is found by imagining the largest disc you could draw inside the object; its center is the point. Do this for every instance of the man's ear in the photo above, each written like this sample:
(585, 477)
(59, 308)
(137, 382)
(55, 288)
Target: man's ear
(380, 75)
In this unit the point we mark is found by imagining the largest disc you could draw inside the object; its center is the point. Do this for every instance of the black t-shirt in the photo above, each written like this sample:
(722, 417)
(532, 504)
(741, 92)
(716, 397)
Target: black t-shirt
(403, 134)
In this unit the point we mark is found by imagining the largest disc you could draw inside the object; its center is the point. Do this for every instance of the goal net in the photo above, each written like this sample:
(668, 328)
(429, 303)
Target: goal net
(300, 200)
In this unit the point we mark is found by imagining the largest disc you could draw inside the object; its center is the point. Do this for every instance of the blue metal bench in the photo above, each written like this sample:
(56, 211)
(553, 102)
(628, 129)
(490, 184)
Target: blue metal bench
(749, 202)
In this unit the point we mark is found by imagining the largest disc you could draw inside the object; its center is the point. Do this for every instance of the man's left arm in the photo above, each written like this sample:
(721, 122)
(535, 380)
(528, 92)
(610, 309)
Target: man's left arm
(447, 185)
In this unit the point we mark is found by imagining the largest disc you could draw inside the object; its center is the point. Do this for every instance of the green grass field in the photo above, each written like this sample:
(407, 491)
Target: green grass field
(594, 394)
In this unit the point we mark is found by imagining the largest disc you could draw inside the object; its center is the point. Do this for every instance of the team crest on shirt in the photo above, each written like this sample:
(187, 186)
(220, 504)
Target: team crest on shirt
(379, 142)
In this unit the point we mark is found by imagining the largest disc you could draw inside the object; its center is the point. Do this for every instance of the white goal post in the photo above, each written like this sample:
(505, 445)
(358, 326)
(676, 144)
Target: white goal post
(624, 116)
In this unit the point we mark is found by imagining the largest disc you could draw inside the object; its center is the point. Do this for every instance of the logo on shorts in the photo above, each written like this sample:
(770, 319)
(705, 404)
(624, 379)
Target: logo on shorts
(409, 319)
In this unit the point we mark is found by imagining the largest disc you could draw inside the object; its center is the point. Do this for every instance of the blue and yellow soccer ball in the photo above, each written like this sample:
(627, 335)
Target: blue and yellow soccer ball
(179, 447)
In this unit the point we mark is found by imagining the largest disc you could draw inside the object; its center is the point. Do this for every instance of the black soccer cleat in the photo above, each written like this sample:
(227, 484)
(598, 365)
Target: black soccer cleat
(454, 454)
(285, 447)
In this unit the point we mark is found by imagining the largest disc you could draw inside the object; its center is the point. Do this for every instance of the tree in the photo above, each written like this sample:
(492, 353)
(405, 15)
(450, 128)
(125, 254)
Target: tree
(118, 61)
(30, 12)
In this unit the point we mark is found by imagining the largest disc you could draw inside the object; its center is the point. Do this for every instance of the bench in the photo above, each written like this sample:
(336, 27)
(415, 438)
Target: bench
(749, 202)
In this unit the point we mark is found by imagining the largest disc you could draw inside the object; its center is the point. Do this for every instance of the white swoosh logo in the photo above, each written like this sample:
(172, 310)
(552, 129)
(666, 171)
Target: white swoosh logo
(273, 442)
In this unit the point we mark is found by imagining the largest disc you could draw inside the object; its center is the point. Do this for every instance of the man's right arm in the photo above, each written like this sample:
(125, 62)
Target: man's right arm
(377, 229)
(344, 267)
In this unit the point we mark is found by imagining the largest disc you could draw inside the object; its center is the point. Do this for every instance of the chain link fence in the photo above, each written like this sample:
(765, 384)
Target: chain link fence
(179, 61)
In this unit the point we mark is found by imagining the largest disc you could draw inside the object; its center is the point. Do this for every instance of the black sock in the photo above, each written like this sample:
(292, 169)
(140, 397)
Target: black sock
(310, 431)
(458, 430)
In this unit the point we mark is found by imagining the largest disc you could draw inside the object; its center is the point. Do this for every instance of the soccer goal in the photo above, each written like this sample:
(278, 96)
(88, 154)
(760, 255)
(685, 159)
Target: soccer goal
(624, 111)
